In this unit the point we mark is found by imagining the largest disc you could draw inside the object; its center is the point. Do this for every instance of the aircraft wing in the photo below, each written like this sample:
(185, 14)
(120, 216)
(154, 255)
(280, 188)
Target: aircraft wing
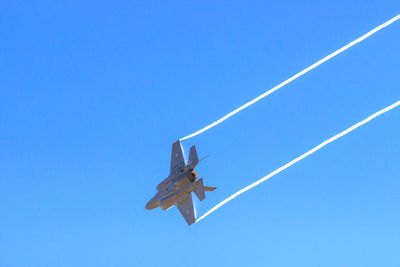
(177, 159)
(187, 210)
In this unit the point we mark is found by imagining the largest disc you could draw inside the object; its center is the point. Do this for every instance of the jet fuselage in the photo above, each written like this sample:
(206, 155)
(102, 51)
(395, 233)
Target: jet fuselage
(174, 187)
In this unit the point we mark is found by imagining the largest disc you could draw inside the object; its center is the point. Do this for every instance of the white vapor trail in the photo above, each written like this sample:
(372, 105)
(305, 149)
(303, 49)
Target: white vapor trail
(287, 165)
(316, 64)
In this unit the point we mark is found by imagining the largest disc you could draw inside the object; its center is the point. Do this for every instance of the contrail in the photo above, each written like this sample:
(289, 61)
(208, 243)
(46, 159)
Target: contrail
(287, 165)
(301, 73)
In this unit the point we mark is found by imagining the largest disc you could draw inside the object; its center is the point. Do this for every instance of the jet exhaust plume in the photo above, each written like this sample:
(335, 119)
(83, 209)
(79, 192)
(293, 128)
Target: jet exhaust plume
(301, 73)
(308, 153)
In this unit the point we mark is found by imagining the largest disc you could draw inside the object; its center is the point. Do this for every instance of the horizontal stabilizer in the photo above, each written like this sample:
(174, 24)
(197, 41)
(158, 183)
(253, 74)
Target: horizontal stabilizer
(199, 191)
(193, 159)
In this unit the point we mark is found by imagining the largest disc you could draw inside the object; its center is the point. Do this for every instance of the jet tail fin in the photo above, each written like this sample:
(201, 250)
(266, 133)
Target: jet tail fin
(209, 188)
(201, 189)
(193, 159)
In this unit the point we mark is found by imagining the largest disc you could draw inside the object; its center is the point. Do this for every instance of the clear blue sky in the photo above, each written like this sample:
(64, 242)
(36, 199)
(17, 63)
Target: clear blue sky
(92, 95)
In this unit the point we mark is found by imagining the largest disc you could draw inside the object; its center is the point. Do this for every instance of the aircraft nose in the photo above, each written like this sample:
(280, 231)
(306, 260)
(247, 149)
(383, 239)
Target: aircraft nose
(150, 205)
(153, 203)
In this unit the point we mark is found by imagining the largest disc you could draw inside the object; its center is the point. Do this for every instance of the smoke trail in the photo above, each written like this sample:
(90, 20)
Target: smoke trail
(287, 165)
(316, 64)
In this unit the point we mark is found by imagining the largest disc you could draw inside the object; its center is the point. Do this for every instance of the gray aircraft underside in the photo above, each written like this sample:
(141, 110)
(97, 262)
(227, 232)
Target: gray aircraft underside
(176, 189)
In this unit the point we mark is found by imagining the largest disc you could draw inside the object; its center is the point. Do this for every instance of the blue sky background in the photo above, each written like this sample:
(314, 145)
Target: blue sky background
(94, 93)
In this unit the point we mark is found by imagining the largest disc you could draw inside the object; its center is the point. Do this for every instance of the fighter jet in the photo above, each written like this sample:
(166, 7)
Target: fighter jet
(177, 188)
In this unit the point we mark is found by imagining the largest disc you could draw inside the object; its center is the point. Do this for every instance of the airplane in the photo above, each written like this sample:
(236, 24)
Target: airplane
(177, 188)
